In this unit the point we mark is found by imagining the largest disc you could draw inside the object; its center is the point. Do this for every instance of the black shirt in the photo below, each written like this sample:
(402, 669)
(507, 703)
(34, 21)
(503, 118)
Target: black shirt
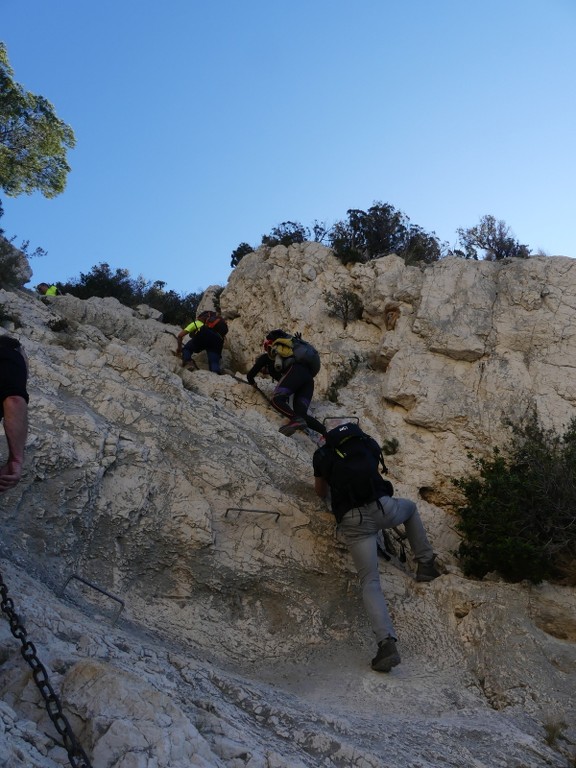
(13, 375)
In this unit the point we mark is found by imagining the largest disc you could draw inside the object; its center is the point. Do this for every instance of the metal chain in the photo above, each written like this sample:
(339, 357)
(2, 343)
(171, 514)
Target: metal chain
(76, 754)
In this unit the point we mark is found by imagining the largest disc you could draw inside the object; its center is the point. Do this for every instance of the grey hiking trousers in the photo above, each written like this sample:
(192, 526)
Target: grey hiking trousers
(359, 527)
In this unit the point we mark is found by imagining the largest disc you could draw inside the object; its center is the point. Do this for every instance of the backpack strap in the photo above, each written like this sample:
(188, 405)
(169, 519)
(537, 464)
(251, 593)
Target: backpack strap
(383, 467)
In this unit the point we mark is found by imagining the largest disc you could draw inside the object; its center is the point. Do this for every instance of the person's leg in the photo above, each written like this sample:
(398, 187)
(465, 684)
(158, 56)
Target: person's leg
(284, 389)
(303, 392)
(302, 400)
(187, 351)
(214, 345)
(398, 511)
(214, 360)
(359, 528)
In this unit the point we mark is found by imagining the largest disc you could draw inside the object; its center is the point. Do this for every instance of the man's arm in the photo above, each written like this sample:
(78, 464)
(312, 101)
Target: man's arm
(16, 429)
(256, 368)
(179, 338)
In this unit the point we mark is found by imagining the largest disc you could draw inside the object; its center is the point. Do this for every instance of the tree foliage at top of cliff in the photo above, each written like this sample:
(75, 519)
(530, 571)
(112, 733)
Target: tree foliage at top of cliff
(491, 238)
(287, 233)
(103, 282)
(33, 140)
(379, 231)
(362, 236)
(519, 517)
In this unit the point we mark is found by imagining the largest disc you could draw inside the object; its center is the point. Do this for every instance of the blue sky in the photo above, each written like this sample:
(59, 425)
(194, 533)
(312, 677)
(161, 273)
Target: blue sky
(201, 124)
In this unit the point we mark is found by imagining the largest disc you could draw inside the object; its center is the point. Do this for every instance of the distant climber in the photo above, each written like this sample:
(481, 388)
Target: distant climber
(293, 364)
(48, 290)
(13, 409)
(201, 339)
(347, 466)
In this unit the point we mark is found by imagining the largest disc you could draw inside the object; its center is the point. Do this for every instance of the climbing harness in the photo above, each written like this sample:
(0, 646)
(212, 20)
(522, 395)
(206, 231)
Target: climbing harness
(76, 754)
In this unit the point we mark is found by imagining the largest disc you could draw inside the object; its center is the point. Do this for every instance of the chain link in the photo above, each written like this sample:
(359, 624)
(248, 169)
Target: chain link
(76, 754)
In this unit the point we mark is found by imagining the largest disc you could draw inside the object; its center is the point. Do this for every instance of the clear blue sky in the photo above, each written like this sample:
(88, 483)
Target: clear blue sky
(201, 124)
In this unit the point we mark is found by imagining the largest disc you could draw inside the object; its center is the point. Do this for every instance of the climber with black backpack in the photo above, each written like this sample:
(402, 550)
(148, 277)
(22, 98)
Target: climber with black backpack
(346, 469)
(293, 363)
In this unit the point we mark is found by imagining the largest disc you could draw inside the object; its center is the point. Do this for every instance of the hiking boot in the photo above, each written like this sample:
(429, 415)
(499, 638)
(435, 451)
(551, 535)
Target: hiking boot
(427, 571)
(292, 426)
(387, 656)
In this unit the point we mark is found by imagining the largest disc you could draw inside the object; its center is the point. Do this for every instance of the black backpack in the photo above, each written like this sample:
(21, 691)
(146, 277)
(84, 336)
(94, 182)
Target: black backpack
(355, 465)
(295, 347)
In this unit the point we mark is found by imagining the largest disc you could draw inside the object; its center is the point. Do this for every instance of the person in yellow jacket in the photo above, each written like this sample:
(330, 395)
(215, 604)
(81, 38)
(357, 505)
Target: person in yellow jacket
(201, 338)
(48, 290)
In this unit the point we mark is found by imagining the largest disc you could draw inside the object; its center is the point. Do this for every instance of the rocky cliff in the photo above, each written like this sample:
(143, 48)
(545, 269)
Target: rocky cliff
(185, 587)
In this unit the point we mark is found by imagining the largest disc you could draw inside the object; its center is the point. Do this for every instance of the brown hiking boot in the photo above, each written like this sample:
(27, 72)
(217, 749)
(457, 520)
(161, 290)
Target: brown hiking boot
(427, 571)
(387, 656)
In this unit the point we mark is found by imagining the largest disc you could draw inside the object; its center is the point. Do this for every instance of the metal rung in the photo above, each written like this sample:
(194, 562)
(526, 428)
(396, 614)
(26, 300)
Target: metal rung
(259, 511)
(98, 589)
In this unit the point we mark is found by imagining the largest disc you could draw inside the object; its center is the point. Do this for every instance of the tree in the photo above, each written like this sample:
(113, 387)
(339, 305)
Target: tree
(102, 281)
(320, 231)
(379, 231)
(493, 238)
(238, 254)
(287, 233)
(33, 140)
(420, 246)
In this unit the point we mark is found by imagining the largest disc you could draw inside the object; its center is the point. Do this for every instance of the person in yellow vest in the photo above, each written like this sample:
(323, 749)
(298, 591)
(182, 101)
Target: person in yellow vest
(201, 338)
(48, 290)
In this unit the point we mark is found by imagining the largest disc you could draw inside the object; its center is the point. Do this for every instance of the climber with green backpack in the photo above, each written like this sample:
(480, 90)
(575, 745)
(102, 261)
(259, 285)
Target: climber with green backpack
(293, 363)
(346, 468)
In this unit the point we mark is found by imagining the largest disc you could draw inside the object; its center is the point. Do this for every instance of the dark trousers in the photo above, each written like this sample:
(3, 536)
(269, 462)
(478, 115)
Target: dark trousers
(205, 340)
(297, 383)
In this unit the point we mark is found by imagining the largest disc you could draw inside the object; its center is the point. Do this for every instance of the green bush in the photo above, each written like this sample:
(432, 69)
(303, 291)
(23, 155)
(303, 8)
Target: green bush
(177, 309)
(519, 519)
(287, 233)
(344, 304)
(344, 376)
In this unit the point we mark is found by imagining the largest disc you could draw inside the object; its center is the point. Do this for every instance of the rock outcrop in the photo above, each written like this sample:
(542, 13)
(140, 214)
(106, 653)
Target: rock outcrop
(183, 584)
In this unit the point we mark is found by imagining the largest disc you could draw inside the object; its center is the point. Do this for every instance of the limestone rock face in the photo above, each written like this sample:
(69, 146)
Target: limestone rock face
(474, 342)
(15, 268)
(185, 587)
